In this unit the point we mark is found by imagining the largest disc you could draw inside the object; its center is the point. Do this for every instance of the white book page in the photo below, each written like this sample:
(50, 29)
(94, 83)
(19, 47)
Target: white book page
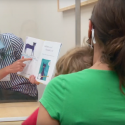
(47, 61)
(32, 49)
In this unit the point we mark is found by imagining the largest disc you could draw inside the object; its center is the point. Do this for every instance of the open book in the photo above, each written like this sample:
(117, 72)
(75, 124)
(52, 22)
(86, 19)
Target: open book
(44, 56)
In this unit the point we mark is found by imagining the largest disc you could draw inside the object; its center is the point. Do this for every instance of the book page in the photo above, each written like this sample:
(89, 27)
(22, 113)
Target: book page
(47, 61)
(32, 49)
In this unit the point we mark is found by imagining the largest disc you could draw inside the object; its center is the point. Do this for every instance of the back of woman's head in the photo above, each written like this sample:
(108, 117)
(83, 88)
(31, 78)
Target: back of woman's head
(75, 60)
(108, 19)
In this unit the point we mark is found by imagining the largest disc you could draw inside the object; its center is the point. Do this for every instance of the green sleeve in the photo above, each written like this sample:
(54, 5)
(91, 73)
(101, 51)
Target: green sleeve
(53, 97)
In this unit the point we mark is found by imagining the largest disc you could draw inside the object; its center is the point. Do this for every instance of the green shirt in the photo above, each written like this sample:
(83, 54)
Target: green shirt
(88, 97)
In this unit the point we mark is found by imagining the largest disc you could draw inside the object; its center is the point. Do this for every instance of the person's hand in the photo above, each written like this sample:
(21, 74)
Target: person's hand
(17, 66)
(32, 79)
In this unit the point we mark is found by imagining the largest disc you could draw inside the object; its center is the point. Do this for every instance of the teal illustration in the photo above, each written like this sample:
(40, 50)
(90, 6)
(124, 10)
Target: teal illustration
(44, 68)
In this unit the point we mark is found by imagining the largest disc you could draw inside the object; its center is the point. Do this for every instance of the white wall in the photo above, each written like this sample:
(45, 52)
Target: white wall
(19, 17)
(56, 26)
(40, 19)
(85, 16)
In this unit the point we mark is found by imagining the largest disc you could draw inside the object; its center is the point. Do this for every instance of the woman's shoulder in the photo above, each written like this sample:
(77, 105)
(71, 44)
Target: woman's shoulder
(74, 76)
(69, 76)
(86, 75)
(65, 79)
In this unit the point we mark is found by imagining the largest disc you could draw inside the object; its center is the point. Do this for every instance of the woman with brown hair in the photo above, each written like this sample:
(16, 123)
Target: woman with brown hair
(92, 96)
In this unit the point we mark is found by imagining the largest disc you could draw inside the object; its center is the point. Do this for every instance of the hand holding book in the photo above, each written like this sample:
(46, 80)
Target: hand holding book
(33, 80)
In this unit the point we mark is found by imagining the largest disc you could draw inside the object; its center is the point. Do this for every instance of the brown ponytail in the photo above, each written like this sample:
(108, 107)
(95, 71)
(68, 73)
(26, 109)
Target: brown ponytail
(116, 52)
(108, 19)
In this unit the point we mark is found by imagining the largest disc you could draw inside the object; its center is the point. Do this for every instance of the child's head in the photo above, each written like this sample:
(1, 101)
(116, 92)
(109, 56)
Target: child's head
(75, 60)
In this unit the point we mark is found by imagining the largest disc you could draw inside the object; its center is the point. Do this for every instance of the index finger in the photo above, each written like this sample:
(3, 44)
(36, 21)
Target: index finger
(26, 59)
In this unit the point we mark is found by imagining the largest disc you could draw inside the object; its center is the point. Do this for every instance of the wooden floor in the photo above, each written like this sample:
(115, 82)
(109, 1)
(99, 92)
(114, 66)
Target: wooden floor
(21, 109)
(11, 123)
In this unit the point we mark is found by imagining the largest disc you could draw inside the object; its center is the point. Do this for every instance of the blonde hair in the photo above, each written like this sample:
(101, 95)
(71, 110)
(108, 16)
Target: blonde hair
(75, 60)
